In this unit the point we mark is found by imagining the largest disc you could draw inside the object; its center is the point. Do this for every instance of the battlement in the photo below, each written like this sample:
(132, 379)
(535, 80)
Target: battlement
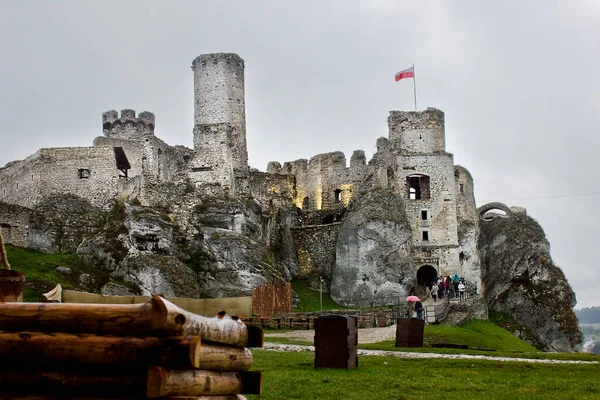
(128, 126)
(214, 58)
(417, 132)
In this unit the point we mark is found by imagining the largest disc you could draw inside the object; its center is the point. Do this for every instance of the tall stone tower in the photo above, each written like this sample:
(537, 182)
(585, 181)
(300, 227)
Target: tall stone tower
(220, 163)
(426, 179)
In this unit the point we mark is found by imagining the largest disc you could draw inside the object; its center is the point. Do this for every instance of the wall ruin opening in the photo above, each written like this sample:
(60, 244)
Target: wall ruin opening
(425, 275)
(418, 187)
(338, 195)
(305, 203)
(83, 173)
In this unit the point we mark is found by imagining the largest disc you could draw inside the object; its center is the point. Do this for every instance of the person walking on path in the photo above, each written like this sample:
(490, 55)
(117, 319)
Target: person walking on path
(419, 309)
(434, 291)
(461, 290)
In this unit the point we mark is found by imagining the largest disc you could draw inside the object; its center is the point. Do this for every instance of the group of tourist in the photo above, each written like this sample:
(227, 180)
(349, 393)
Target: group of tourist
(448, 286)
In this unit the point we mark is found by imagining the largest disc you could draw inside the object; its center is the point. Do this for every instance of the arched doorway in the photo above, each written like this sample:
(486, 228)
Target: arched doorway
(425, 275)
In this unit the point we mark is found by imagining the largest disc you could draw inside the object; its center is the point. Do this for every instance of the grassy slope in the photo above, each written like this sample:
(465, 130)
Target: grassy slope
(310, 299)
(292, 376)
(40, 271)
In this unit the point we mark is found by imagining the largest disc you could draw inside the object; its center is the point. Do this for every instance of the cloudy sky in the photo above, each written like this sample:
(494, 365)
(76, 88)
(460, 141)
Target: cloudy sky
(518, 81)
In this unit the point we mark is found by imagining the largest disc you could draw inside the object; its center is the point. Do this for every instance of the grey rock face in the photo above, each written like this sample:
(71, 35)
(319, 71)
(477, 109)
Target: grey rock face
(64, 270)
(114, 289)
(85, 279)
(521, 280)
(373, 264)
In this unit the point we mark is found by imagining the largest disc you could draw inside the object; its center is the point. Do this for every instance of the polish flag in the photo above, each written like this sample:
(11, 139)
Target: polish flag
(407, 73)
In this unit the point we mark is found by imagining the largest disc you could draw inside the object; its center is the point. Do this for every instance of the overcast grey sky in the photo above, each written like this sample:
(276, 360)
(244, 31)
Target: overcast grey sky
(518, 81)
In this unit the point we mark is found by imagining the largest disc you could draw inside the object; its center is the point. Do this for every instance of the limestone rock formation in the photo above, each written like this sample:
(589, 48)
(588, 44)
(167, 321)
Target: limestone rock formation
(373, 263)
(521, 280)
(219, 249)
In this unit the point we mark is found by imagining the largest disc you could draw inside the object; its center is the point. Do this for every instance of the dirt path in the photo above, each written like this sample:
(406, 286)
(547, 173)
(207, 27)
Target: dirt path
(367, 335)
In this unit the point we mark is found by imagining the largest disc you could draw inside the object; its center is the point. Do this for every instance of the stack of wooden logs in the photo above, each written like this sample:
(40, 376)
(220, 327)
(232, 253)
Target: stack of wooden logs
(133, 351)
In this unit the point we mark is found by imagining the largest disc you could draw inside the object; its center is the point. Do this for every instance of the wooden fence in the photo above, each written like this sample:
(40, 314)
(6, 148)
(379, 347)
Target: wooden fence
(273, 298)
(240, 306)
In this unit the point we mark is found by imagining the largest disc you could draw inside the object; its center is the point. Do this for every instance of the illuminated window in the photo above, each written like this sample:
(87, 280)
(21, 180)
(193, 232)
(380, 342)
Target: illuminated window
(338, 195)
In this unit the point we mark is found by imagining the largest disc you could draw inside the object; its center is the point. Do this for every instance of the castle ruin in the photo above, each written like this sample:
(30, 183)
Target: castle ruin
(412, 161)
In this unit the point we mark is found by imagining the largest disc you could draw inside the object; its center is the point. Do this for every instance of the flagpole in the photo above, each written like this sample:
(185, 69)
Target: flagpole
(415, 87)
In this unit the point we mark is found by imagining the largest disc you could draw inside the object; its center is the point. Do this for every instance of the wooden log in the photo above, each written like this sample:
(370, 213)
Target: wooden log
(191, 383)
(36, 348)
(224, 358)
(110, 383)
(101, 319)
(168, 382)
(167, 317)
(158, 317)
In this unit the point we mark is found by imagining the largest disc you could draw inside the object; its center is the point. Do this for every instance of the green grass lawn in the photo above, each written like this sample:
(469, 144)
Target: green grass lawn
(292, 376)
(310, 299)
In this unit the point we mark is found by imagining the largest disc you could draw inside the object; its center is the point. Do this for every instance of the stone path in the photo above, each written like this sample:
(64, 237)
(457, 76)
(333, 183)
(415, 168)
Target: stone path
(404, 354)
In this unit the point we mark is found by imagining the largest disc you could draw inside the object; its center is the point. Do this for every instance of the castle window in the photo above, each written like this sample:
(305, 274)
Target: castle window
(461, 188)
(17, 185)
(83, 173)
(418, 187)
(425, 236)
(424, 215)
(305, 203)
(338, 195)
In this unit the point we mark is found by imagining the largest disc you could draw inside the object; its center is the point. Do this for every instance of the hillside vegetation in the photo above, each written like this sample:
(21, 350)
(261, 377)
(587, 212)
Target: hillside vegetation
(41, 274)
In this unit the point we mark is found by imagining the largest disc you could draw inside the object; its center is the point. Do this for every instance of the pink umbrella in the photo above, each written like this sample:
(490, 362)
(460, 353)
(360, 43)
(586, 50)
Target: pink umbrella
(412, 298)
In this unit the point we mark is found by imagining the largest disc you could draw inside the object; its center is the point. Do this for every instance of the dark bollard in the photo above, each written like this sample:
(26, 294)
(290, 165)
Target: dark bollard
(336, 338)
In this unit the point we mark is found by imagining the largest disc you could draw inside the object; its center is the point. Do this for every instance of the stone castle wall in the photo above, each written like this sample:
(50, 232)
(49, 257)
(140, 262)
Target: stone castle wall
(324, 182)
(20, 181)
(417, 132)
(14, 224)
(316, 251)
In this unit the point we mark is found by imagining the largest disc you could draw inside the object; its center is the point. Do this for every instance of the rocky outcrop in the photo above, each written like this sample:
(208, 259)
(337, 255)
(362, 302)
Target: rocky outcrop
(521, 280)
(218, 250)
(60, 222)
(373, 264)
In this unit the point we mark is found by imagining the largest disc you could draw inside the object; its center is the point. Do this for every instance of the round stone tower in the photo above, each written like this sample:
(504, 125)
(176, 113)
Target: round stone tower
(219, 98)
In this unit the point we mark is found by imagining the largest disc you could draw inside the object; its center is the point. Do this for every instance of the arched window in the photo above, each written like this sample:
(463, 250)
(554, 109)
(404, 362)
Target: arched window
(305, 203)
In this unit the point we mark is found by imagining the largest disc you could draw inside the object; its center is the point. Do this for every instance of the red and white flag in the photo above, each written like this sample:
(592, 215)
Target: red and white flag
(407, 73)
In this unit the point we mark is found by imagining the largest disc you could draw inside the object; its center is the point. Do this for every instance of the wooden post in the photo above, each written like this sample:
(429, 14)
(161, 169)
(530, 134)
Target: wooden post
(36, 348)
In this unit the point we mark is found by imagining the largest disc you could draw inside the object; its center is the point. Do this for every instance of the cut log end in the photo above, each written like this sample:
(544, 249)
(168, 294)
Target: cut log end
(156, 377)
(195, 349)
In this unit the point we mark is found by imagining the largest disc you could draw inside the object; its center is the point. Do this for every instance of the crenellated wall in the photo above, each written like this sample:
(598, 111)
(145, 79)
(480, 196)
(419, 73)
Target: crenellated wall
(324, 182)
(128, 126)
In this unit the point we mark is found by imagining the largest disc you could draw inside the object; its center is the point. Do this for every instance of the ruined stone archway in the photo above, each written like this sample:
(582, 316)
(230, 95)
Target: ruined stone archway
(426, 274)
(491, 210)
